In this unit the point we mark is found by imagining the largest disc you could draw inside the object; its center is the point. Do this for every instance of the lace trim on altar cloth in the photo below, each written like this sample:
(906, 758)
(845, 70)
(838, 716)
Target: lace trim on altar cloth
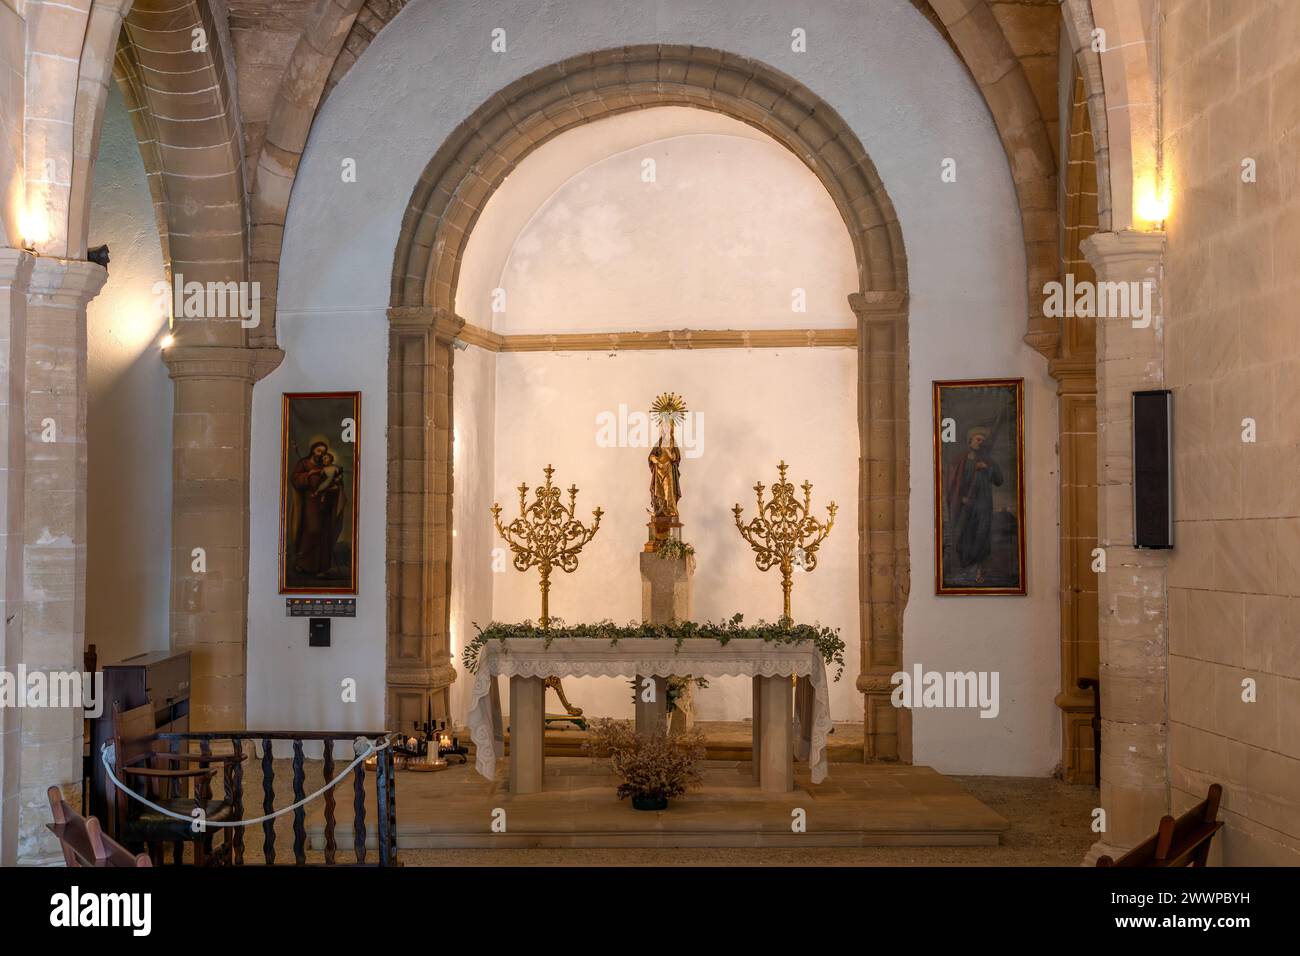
(810, 747)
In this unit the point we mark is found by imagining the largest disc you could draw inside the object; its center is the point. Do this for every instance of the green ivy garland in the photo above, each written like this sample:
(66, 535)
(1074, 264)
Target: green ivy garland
(825, 639)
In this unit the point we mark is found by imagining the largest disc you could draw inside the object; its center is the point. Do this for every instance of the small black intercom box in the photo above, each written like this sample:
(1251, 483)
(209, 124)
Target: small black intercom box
(318, 632)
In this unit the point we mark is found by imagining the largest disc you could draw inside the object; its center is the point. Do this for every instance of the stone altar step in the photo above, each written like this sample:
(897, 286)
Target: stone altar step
(857, 805)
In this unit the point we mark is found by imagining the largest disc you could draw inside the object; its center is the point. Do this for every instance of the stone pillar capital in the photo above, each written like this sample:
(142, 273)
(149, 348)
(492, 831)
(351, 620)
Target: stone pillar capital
(868, 683)
(873, 306)
(221, 361)
(15, 268)
(445, 325)
(1127, 254)
(434, 677)
(1044, 340)
(69, 283)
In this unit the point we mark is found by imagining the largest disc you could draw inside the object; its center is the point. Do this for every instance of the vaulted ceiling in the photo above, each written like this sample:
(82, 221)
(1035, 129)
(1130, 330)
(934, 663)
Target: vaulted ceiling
(276, 61)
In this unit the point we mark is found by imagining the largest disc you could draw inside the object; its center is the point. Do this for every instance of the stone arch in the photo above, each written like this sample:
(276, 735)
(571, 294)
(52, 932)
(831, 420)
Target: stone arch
(1131, 100)
(447, 200)
(184, 102)
(62, 137)
(1122, 103)
(979, 40)
(126, 73)
(1079, 24)
(457, 183)
(319, 49)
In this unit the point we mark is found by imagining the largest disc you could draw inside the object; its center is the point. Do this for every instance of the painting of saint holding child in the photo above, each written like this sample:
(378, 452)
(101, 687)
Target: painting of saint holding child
(318, 493)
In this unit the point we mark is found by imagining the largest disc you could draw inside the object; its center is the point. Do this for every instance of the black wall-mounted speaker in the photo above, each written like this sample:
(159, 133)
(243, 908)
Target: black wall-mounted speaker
(318, 632)
(1153, 469)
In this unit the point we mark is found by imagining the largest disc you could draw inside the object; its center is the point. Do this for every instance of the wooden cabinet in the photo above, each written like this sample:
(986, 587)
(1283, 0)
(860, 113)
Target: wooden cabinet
(161, 678)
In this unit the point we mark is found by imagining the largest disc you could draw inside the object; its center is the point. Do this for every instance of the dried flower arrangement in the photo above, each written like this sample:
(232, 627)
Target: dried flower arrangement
(653, 767)
(674, 550)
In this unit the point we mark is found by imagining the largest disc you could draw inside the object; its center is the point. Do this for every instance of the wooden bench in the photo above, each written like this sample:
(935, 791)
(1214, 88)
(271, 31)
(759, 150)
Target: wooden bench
(83, 840)
(1181, 842)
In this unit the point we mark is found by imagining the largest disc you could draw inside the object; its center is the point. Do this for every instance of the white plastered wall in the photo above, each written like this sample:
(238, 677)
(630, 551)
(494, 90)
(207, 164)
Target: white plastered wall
(885, 70)
(129, 416)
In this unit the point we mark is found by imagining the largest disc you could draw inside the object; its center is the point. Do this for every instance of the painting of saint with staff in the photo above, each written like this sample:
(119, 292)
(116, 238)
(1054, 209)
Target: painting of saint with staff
(979, 487)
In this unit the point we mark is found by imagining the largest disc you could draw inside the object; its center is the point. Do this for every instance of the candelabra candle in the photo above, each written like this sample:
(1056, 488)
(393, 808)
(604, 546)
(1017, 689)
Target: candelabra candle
(784, 533)
(547, 534)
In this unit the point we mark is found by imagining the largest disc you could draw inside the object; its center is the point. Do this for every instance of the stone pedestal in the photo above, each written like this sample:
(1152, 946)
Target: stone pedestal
(527, 729)
(773, 736)
(667, 595)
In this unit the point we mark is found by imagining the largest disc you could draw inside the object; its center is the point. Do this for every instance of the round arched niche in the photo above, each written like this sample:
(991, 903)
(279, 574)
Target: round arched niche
(581, 235)
(445, 205)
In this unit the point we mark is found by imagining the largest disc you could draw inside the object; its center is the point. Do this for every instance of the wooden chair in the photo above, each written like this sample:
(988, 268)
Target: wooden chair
(1181, 842)
(139, 756)
(83, 840)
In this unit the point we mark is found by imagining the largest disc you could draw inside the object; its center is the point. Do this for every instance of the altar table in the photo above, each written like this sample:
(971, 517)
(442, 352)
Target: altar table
(529, 661)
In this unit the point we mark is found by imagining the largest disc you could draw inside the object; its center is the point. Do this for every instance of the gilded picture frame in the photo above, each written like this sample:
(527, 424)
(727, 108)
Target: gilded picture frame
(979, 487)
(320, 458)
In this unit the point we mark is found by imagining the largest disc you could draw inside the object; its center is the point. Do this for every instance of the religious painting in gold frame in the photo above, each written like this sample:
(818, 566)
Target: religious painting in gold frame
(979, 487)
(319, 483)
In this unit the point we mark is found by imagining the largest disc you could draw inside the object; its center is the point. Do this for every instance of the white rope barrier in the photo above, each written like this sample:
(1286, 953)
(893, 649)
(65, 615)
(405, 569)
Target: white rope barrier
(107, 755)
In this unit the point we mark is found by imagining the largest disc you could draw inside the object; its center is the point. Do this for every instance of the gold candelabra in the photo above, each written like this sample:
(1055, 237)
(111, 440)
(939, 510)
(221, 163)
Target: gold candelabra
(546, 534)
(784, 531)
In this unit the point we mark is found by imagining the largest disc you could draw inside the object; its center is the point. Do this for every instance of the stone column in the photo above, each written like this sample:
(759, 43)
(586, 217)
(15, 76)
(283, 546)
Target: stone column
(883, 563)
(15, 272)
(419, 511)
(1077, 437)
(1132, 593)
(210, 454)
(54, 533)
(667, 595)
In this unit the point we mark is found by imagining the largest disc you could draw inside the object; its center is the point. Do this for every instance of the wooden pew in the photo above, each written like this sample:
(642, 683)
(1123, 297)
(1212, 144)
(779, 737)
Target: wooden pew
(83, 840)
(1181, 842)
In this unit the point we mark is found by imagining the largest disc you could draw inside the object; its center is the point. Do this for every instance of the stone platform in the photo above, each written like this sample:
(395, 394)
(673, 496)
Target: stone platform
(723, 740)
(858, 805)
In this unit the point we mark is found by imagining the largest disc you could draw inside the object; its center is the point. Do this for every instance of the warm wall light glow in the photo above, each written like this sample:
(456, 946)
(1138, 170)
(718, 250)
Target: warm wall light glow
(1153, 202)
(34, 226)
(168, 341)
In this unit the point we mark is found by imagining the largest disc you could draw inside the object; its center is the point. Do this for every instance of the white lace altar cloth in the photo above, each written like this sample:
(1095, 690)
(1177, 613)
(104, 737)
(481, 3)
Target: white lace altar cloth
(659, 657)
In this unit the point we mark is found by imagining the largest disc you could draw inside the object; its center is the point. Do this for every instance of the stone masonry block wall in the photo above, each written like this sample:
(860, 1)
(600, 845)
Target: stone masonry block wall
(1230, 92)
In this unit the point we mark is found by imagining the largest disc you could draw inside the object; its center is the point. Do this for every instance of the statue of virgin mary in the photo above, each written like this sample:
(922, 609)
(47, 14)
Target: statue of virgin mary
(665, 459)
